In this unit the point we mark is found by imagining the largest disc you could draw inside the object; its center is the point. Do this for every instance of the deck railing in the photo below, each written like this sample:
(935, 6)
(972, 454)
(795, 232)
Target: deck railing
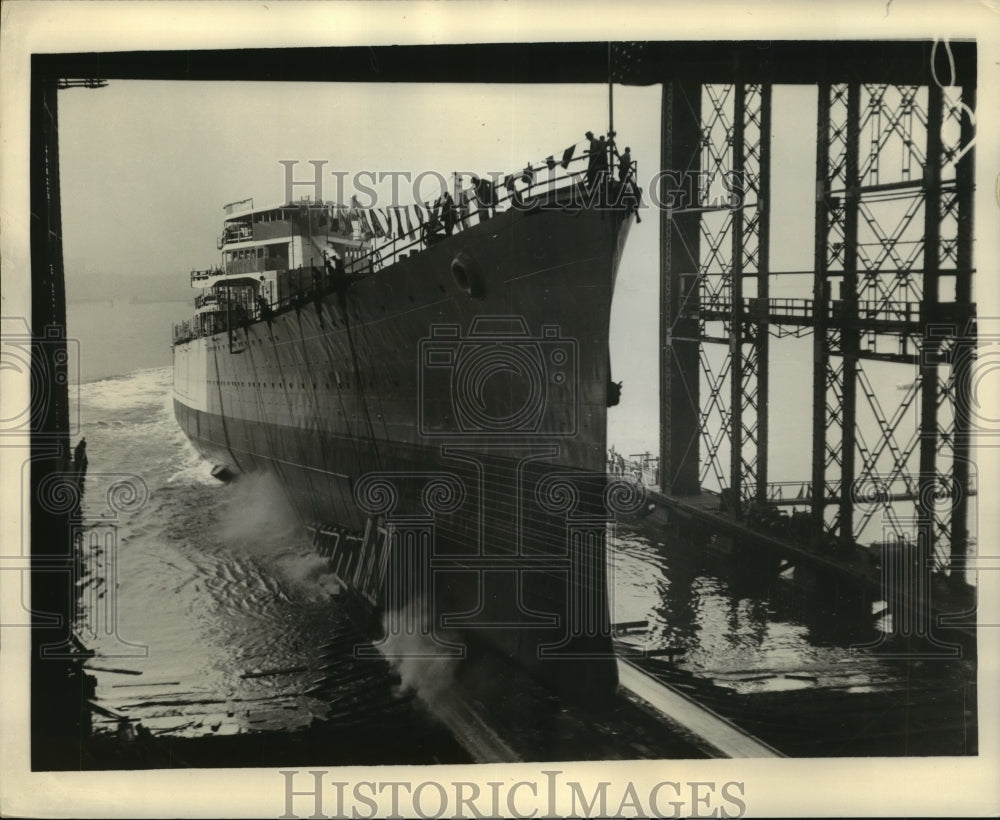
(526, 188)
(198, 276)
(716, 306)
(572, 182)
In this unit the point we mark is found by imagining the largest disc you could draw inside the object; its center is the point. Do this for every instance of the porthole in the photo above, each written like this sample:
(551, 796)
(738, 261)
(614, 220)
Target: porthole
(468, 275)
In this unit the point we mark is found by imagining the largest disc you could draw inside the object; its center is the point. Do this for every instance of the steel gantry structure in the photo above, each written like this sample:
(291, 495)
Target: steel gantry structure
(891, 282)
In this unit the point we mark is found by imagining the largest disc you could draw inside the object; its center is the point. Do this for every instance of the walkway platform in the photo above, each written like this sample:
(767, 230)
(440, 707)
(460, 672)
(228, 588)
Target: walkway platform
(710, 732)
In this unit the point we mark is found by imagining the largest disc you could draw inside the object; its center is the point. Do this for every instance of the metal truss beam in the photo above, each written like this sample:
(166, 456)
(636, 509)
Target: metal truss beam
(820, 298)
(734, 287)
(799, 62)
(929, 385)
(965, 340)
(680, 252)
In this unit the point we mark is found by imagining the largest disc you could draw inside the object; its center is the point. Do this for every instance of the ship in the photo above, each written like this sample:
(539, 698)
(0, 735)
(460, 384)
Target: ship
(430, 383)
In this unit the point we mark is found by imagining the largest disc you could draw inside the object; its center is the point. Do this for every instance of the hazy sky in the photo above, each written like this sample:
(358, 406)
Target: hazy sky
(153, 163)
(147, 166)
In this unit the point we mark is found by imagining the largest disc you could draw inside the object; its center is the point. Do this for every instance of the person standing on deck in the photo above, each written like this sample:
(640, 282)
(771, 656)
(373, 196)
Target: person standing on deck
(593, 157)
(602, 157)
(625, 165)
(448, 213)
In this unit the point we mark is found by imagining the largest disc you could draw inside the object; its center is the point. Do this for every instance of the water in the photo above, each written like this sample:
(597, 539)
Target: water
(226, 617)
(793, 664)
(216, 580)
(224, 620)
(727, 624)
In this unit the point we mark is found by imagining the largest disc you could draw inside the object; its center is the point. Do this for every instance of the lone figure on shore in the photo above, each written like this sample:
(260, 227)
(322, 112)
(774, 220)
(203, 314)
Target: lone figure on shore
(80, 455)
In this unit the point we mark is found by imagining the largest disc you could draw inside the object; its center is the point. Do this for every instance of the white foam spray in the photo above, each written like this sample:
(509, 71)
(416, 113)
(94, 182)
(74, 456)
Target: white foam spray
(424, 667)
(256, 516)
(257, 519)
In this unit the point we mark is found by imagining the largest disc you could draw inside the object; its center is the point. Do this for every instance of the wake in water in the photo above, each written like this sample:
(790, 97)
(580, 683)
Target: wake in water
(214, 584)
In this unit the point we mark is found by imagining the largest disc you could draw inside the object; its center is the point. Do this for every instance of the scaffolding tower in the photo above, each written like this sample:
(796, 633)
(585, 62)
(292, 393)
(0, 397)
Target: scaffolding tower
(891, 282)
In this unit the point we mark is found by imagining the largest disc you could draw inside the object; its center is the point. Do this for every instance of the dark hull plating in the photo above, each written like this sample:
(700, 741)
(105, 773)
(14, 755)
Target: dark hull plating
(450, 445)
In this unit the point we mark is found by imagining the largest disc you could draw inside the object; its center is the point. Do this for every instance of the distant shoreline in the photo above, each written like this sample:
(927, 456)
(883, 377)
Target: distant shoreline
(122, 376)
(94, 300)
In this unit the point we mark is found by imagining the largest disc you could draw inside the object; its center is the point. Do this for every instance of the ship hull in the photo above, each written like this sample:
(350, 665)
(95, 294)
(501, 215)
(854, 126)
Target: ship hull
(440, 424)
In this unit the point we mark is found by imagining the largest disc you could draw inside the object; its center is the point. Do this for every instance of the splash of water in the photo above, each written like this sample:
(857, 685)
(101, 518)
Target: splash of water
(422, 664)
(256, 515)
